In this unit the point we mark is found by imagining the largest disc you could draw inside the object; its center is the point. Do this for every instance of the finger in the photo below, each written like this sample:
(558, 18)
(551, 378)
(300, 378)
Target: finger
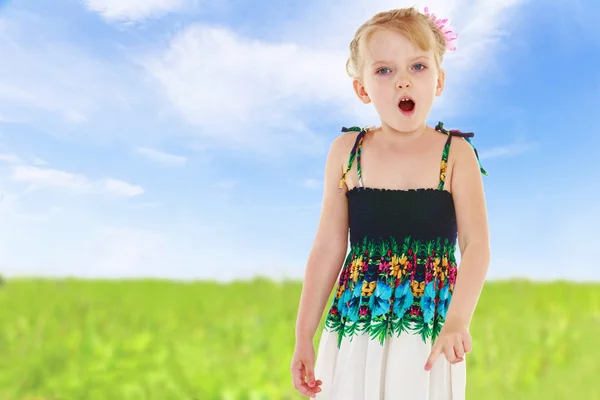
(310, 375)
(459, 350)
(449, 353)
(305, 390)
(298, 378)
(298, 374)
(468, 345)
(433, 356)
(317, 384)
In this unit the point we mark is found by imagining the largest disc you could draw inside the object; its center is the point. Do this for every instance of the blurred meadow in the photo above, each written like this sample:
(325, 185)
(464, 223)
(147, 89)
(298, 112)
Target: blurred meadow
(152, 339)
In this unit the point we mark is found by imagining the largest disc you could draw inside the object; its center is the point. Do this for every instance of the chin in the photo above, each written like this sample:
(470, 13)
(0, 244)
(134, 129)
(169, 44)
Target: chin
(405, 123)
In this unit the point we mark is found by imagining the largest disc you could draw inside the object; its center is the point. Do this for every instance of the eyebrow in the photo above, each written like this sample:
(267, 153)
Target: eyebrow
(425, 57)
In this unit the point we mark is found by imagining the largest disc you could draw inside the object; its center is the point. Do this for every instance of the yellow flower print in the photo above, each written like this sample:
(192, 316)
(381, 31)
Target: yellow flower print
(368, 288)
(404, 263)
(436, 267)
(357, 262)
(340, 291)
(403, 260)
(395, 267)
(443, 171)
(418, 288)
(356, 265)
(441, 271)
(354, 273)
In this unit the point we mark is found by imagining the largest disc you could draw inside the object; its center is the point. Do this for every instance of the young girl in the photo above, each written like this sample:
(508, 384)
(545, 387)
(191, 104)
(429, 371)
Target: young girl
(408, 194)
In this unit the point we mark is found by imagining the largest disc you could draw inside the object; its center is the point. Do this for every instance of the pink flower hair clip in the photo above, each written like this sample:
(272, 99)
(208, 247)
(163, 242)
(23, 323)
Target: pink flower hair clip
(445, 28)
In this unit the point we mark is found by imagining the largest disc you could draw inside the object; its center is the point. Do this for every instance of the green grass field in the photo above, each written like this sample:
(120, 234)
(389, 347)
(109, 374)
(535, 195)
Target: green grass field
(113, 340)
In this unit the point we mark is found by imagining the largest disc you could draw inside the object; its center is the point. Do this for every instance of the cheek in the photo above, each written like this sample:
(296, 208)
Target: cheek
(382, 84)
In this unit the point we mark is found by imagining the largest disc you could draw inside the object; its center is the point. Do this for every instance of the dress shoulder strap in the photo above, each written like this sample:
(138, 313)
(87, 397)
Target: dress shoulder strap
(465, 135)
(355, 153)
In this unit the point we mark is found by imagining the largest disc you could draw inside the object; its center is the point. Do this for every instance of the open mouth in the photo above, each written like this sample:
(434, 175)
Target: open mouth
(406, 104)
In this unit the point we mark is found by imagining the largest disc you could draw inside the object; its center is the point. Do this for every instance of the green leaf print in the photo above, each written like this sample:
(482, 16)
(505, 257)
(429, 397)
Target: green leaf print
(363, 285)
(378, 330)
(438, 323)
(394, 246)
(334, 324)
(364, 327)
(406, 245)
(401, 325)
(382, 249)
(424, 330)
(350, 328)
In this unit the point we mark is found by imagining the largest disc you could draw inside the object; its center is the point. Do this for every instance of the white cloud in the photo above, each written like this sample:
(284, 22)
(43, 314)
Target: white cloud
(38, 161)
(247, 92)
(49, 81)
(38, 178)
(90, 249)
(86, 244)
(234, 91)
(9, 158)
(162, 157)
(133, 10)
(41, 177)
(120, 188)
(506, 151)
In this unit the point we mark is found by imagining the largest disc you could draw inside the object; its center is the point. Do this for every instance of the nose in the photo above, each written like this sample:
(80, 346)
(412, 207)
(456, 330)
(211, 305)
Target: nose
(403, 83)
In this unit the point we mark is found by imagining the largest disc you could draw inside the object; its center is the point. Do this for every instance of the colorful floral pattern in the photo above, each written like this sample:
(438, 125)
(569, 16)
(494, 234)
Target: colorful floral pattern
(386, 288)
(444, 166)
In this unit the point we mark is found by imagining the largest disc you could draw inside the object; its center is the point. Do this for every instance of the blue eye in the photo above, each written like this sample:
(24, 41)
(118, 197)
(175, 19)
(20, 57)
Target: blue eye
(420, 69)
(382, 69)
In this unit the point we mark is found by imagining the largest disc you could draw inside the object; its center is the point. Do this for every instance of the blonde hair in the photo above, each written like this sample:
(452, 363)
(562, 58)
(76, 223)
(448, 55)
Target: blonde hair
(417, 27)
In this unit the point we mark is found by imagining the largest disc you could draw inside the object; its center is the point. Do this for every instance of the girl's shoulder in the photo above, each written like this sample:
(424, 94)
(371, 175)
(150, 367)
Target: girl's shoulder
(462, 150)
(343, 143)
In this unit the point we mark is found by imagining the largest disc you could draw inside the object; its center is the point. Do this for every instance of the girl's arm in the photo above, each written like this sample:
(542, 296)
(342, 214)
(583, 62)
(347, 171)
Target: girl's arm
(454, 340)
(330, 245)
(473, 234)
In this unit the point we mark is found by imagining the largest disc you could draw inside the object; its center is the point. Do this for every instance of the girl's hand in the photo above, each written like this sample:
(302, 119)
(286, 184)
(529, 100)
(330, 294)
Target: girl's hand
(302, 368)
(454, 341)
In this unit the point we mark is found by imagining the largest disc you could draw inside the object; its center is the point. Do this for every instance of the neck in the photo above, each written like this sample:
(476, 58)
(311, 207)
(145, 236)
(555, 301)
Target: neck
(403, 136)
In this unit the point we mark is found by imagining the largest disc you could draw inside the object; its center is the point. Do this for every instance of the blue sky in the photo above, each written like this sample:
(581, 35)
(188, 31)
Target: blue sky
(186, 139)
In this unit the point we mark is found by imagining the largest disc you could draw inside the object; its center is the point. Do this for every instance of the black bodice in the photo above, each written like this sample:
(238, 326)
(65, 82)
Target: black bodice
(422, 214)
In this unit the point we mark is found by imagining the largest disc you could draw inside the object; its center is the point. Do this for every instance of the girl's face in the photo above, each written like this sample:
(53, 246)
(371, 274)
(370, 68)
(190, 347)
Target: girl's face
(394, 70)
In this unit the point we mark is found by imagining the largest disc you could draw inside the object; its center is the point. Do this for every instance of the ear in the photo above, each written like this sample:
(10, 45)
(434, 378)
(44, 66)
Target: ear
(440, 82)
(360, 91)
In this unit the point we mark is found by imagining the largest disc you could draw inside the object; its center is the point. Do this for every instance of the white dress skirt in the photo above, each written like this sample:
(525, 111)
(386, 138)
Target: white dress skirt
(363, 369)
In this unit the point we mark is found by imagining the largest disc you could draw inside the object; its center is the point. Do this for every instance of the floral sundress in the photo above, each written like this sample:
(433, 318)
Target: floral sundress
(393, 293)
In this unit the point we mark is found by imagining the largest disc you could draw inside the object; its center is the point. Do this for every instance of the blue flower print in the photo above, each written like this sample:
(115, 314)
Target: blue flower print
(444, 302)
(428, 303)
(354, 305)
(342, 304)
(379, 301)
(404, 299)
